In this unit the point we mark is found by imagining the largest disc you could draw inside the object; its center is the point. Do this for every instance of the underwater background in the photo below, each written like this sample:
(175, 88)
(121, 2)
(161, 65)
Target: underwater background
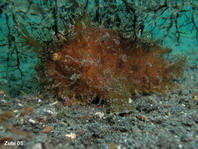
(33, 114)
(172, 23)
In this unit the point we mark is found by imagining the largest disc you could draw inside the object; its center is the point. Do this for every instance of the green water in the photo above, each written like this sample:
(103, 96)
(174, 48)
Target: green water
(173, 23)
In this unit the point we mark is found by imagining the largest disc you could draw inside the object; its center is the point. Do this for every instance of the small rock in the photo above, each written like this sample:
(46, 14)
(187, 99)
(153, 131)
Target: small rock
(20, 104)
(7, 115)
(43, 119)
(32, 121)
(54, 103)
(71, 136)
(16, 111)
(142, 117)
(99, 114)
(37, 146)
(187, 121)
(146, 107)
(186, 138)
(112, 146)
(130, 100)
(196, 97)
(158, 120)
(195, 117)
(47, 129)
(2, 92)
(27, 110)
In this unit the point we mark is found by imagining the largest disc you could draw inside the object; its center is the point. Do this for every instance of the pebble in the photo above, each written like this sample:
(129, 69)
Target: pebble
(187, 121)
(47, 129)
(71, 136)
(186, 138)
(32, 121)
(37, 146)
(195, 117)
(99, 114)
(196, 97)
